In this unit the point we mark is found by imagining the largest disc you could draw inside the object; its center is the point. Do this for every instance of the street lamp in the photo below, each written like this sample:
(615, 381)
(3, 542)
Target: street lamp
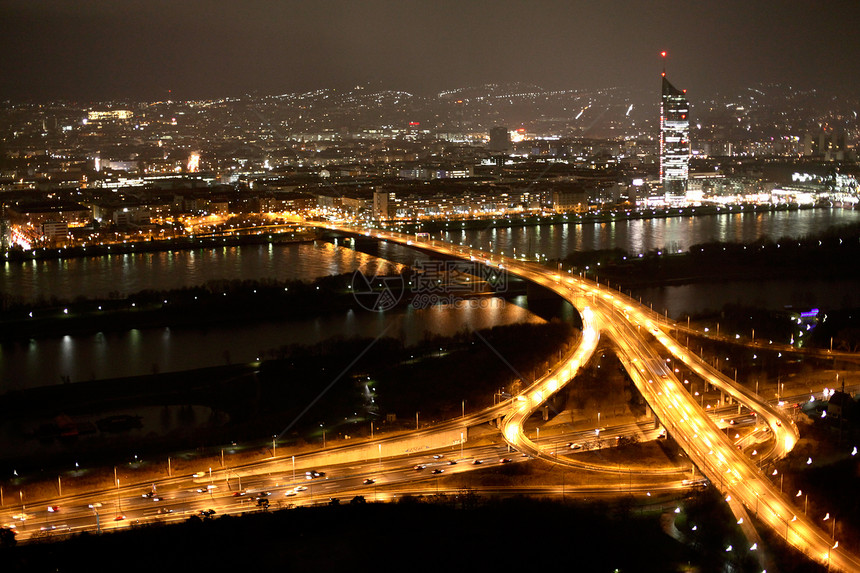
(95, 507)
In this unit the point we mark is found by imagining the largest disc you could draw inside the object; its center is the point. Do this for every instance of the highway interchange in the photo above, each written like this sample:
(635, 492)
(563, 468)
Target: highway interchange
(645, 347)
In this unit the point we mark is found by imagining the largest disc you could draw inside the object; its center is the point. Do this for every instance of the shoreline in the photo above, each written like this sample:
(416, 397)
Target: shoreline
(154, 246)
(618, 214)
(196, 242)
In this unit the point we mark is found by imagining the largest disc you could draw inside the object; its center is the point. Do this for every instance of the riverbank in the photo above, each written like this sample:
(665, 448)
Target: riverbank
(824, 255)
(603, 216)
(217, 303)
(170, 244)
(213, 303)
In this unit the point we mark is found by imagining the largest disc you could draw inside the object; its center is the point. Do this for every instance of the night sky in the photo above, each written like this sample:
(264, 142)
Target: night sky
(91, 50)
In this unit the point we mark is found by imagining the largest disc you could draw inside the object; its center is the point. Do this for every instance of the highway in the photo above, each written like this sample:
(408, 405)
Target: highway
(622, 319)
(237, 490)
(643, 346)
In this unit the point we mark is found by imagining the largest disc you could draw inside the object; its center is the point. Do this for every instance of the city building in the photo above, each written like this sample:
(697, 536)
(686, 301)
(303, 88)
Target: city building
(564, 201)
(383, 203)
(674, 141)
(500, 139)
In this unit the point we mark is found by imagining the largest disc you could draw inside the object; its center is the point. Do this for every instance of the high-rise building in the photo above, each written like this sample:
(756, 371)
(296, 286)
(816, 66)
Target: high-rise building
(383, 204)
(674, 140)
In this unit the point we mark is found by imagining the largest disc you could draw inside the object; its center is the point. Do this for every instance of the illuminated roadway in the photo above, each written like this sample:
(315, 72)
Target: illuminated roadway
(623, 320)
(640, 337)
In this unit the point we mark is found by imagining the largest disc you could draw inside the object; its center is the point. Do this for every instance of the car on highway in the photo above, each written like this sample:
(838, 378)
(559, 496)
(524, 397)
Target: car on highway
(575, 446)
(313, 474)
(701, 482)
(437, 471)
(419, 467)
(369, 481)
(23, 516)
(53, 508)
(452, 462)
(301, 488)
(207, 513)
(505, 460)
(438, 457)
(476, 462)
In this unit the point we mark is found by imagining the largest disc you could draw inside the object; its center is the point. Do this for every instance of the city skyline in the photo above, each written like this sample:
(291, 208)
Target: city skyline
(95, 51)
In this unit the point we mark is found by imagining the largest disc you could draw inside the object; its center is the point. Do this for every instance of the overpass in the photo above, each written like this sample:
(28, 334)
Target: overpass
(643, 355)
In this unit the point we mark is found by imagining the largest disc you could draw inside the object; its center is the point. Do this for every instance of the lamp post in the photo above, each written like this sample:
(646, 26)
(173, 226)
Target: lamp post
(95, 507)
(118, 499)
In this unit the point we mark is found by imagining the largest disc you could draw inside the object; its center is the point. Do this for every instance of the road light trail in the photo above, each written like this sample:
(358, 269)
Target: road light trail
(711, 450)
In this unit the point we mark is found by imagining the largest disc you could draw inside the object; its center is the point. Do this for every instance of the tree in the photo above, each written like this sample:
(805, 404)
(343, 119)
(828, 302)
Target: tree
(7, 537)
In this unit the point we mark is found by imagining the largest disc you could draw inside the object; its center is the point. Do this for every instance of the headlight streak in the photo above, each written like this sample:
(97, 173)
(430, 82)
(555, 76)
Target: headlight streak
(744, 480)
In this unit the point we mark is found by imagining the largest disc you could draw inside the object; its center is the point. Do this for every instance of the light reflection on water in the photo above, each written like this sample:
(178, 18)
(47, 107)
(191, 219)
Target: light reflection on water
(42, 362)
(138, 352)
(643, 235)
(130, 273)
(125, 274)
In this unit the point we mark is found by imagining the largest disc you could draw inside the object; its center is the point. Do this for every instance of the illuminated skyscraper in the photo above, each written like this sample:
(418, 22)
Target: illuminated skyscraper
(674, 139)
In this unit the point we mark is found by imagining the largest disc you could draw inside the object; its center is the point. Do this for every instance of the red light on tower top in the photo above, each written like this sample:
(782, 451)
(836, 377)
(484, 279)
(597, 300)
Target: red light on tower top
(663, 54)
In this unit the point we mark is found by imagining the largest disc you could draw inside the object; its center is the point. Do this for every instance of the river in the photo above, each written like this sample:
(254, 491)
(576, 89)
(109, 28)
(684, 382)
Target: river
(136, 352)
(130, 273)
